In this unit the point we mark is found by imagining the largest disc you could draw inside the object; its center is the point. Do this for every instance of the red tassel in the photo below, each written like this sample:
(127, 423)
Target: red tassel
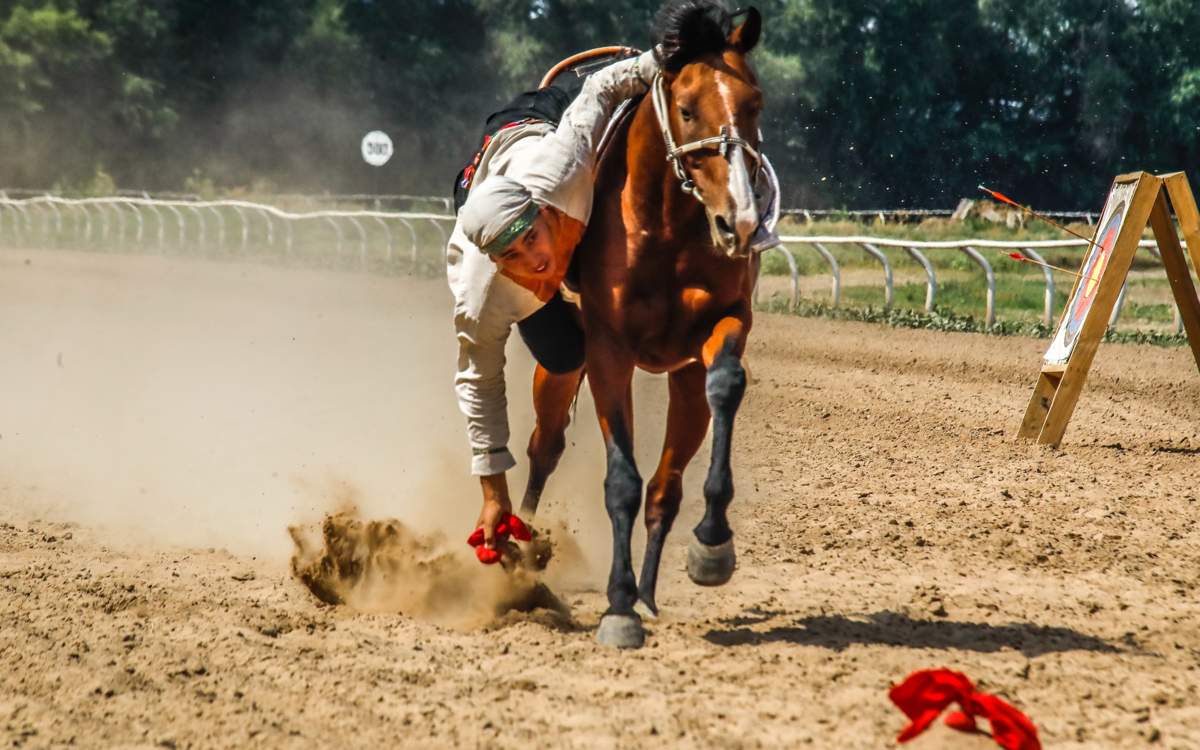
(476, 538)
(926, 693)
(509, 525)
(487, 555)
(520, 531)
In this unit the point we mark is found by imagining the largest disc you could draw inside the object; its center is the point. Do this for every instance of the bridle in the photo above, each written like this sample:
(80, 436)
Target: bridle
(722, 142)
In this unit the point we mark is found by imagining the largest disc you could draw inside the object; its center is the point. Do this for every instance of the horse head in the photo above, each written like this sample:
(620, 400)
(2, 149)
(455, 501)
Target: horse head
(709, 103)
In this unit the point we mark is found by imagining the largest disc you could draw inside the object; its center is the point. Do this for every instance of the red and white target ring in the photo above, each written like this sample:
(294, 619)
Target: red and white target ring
(1093, 271)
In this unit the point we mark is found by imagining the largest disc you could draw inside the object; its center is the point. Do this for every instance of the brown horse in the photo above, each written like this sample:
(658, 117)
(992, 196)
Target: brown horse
(666, 277)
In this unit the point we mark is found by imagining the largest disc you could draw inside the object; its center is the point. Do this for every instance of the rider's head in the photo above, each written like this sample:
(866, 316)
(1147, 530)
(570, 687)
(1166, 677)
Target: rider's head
(501, 218)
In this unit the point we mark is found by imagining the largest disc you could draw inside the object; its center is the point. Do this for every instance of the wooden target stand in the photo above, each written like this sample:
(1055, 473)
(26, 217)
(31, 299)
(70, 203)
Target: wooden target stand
(1134, 200)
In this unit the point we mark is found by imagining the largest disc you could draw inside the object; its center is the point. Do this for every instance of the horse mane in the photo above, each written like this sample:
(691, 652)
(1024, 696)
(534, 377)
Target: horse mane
(685, 30)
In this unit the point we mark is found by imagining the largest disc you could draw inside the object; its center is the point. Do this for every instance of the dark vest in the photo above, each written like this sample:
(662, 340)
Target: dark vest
(542, 105)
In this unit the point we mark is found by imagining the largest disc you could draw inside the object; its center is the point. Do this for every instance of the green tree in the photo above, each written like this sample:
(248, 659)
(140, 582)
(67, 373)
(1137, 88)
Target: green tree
(870, 103)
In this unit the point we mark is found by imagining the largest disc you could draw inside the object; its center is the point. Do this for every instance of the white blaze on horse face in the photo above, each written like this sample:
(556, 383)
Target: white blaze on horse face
(742, 194)
(741, 189)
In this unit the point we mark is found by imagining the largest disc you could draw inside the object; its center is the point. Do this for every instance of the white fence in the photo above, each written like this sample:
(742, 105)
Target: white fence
(224, 225)
(892, 215)
(917, 251)
(369, 238)
(377, 201)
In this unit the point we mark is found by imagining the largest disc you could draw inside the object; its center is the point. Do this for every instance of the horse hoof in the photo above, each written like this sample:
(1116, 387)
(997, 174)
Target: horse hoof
(621, 631)
(647, 611)
(711, 566)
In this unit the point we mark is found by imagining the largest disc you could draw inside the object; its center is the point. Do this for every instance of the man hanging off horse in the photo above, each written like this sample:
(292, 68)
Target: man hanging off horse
(525, 200)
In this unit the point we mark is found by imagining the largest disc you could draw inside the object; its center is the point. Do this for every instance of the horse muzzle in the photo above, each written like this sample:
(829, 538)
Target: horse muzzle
(731, 235)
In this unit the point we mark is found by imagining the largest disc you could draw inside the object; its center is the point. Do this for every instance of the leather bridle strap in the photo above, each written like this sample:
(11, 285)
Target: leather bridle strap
(720, 143)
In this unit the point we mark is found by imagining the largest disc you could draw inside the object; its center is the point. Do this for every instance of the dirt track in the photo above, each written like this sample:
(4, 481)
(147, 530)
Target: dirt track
(163, 420)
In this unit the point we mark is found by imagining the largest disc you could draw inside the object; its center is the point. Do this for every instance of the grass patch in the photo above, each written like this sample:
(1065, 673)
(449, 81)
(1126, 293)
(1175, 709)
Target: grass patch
(961, 286)
(932, 229)
(1016, 297)
(946, 320)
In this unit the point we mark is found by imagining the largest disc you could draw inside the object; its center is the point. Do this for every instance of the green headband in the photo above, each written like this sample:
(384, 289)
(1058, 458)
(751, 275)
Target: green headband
(514, 230)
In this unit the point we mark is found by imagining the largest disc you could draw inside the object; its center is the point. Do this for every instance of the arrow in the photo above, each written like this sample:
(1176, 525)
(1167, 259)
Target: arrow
(1022, 258)
(1005, 199)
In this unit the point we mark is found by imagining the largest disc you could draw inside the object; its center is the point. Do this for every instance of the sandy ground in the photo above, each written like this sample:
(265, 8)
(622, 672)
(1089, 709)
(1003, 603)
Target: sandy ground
(162, 421)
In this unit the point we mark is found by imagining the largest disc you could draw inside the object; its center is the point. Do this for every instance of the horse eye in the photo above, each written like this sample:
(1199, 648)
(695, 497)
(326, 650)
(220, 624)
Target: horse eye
(685, 113)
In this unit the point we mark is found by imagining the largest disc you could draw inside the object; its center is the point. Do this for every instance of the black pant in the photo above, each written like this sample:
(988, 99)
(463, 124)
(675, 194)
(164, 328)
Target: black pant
(554, 336)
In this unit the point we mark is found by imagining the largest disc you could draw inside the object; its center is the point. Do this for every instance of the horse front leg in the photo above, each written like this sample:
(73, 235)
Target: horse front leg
(610, 375)
(553, 394)
(711, 557)
(687, 424)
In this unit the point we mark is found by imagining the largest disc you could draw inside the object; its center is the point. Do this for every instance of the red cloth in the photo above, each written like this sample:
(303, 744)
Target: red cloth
(509, 525)
(925, 694)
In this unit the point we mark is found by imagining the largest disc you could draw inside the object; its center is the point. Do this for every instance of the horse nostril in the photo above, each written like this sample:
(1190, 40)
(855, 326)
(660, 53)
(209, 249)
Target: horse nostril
(723, 226)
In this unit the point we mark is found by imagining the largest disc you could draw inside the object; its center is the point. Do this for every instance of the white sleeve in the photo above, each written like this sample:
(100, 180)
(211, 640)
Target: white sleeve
(479, 384)
(486, 305)
(563, 174)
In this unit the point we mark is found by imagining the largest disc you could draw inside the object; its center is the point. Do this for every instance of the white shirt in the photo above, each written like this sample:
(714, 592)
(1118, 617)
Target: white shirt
(558, 167)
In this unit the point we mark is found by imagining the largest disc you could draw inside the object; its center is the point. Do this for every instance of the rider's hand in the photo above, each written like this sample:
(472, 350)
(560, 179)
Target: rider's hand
(495, 504)
(648, 65)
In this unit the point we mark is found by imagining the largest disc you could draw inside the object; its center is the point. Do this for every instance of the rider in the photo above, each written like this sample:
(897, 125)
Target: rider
(530, 196)
(529, 201)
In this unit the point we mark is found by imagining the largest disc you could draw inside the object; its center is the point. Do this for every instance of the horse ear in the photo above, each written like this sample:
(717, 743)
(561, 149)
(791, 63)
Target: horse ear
(744, 37)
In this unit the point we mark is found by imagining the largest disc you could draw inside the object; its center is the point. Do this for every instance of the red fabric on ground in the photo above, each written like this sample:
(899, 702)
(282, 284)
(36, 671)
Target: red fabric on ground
(926, 693)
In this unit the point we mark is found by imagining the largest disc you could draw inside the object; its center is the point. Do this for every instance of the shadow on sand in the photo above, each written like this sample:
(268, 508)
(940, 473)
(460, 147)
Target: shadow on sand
(837, 632)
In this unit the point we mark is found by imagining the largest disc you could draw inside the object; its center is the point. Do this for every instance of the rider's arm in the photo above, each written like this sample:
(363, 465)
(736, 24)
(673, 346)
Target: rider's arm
(485, 307)
(479, 385)
(562, 173)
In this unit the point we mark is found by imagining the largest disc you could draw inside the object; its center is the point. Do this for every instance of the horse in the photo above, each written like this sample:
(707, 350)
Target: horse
(666, 278)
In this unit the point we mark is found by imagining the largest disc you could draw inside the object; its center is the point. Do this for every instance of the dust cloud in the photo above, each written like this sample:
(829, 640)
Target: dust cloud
(384, 566)
(199, 403)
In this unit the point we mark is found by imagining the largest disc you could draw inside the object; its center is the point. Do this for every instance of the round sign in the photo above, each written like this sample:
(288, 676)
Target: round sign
(376, 148)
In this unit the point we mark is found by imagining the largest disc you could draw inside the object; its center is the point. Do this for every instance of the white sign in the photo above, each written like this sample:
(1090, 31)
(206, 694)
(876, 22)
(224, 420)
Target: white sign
(376, 148)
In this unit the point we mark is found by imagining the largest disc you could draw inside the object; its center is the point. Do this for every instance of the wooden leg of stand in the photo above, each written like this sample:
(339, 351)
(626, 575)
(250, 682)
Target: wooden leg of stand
(1172, 253)
(1039, 405)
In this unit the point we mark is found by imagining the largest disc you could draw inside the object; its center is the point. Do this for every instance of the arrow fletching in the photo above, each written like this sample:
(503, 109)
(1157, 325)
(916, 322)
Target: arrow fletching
(1005, 199)
(1001, 197)
(1023, 259)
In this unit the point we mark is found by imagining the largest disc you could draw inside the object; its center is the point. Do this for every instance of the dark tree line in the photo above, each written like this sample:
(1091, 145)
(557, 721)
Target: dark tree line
(871, 103)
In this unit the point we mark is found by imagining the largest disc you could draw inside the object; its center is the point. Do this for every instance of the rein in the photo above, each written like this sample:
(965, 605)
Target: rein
(582, 60)
(721, 143)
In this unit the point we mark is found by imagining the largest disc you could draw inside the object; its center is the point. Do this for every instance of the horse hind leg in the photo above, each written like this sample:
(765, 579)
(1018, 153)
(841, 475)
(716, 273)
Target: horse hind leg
(711, 556)
(687, 424)
(553, 394)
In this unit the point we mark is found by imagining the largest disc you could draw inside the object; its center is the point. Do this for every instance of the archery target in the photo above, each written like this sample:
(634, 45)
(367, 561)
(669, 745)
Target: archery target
(1084, 296)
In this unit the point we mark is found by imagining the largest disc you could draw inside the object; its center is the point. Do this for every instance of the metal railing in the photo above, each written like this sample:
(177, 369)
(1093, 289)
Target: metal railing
(368, 238)
(378, 200)
(223, 225)
(969, 247)
(900, 215)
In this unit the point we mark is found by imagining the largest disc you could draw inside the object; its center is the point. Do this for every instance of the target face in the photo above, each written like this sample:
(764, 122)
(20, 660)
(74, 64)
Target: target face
(1099, 254)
